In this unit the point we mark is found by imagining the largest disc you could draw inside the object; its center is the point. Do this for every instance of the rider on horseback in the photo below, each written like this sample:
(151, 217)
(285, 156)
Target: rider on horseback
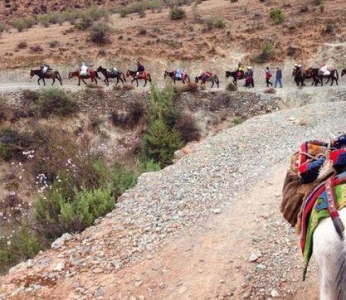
(83, 71)
(178, 73)
(140, 69)
(44, 68)
(240, 70)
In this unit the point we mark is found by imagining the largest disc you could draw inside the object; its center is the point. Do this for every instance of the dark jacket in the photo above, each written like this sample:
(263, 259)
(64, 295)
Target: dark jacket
(140, 68)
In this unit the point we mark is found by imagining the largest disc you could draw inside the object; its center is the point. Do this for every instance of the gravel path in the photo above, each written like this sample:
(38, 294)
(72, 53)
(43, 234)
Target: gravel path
(207, 227)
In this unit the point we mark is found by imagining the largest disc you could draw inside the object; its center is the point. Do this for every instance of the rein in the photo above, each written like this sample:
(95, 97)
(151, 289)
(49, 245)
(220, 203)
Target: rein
(332, 207)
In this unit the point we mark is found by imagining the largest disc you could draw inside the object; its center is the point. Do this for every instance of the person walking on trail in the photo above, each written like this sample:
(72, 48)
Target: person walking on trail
(268, 75)
(278, 77)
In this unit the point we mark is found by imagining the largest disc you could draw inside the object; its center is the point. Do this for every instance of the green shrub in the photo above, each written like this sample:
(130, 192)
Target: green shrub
(155, 5)
(96, 13)
(277, 16)
(322, 7)
(86, 207)
(21, 246)
(54, 101)
(100, 33)
(19, 24)
(123, 12)
(231, 87)
(148, 166)
(44, 20)
(121, 180)
(70, 16)
(265, 54)
(317, 2)
(237, 120)
(220, 23)
(84, 23)
(162, 139)
(177, 13)
(13, 143)
(160, 142)
(67, 208)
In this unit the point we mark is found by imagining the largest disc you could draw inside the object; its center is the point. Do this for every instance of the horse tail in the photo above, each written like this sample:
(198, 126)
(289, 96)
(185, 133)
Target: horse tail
(336, 74)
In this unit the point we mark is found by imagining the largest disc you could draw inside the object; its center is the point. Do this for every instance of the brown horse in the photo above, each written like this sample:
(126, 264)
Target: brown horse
(144, 76)
(91, 74)
(213, 78)
(172, 74)
(305, 73)
(109, 74)
(50, 74)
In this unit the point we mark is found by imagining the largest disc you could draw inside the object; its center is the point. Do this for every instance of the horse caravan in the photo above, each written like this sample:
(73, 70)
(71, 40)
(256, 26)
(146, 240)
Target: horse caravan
(314, 202)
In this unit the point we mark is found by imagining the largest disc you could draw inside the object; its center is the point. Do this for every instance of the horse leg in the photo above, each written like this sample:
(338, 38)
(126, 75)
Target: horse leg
(38, 80)
(212, 83)
(145, 82)
(44, 82)
(53, 81)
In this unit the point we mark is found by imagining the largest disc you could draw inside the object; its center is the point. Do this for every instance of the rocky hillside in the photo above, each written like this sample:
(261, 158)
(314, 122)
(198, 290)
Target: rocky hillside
(213, 34)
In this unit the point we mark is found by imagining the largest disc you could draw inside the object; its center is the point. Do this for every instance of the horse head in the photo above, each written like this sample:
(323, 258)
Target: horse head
(32, 73)
(100, 69)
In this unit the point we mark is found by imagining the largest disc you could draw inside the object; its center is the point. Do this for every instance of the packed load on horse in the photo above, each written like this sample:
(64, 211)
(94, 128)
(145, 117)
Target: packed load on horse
(44, 68)
(325, 71)
(178, 73)
(205, 75)
(113, 71)
(314, 190)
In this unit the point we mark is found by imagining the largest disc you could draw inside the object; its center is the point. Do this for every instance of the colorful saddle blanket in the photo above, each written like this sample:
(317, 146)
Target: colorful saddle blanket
(315, 209)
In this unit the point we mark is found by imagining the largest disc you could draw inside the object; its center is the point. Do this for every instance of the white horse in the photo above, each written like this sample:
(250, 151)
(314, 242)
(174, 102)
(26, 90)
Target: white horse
(329, 250)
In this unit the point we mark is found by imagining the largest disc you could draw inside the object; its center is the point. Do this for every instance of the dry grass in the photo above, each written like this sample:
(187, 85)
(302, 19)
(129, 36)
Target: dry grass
(165, 41)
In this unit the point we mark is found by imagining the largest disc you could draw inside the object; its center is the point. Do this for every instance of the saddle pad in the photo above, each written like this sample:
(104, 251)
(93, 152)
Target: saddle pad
(315, 209)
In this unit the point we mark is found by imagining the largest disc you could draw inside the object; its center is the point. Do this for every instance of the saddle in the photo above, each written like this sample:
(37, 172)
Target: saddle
(314, 188)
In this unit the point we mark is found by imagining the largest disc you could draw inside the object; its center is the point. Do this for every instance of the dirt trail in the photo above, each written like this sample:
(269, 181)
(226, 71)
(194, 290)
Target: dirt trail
(211, 261)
